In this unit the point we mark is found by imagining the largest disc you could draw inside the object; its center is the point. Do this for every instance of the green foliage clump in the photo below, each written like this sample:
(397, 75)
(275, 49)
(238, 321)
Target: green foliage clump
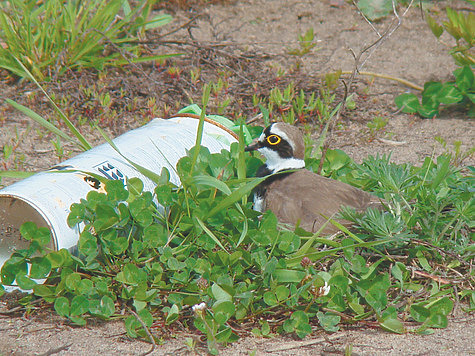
(291, 106)
(52, 37)
(461, 91)
(203, 257)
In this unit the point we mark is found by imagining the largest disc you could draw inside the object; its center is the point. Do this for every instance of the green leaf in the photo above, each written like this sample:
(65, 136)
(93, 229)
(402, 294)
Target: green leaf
(15, 265)
(329, 321)
(58, 258)
(236, 195)
(397, 271)
(132, 275)
(437, 320)
(30, 231)
(464, 78)
(40, 267)
(436, 29)
(79, 305)
(419, 313)
(210, 233)
(375, 9)
(155, 236)
(301, 323)
(209, 181)
(158, 21)
(85, 286)
(131, 325)
(393, 325)
(172, 315)
(408, 103)
(72, 281)
(77, 320)
(220, 294)
(288, 275)
(282, 293)
(223, 310)
(442, 306)
(24, 282)
(449, 94)
(107, 307)
(61, 305)
(115, 190)
(146, 317)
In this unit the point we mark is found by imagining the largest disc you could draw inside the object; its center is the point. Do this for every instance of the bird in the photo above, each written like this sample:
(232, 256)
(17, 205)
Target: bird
(300, 196)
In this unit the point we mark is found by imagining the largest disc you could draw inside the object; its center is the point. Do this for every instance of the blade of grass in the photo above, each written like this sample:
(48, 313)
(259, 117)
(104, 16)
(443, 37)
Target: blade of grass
(40, 120)
(16, 174)
(199, 132)
(83, 143)
(293, 261)
(210, 234)
(154, 177)
(236, 195)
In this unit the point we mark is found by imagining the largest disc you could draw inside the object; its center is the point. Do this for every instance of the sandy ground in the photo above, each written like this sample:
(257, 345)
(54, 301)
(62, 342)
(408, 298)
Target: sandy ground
(271, 27)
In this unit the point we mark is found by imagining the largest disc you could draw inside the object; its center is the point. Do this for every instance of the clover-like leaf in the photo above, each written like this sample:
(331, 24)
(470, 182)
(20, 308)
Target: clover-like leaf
(408, 103)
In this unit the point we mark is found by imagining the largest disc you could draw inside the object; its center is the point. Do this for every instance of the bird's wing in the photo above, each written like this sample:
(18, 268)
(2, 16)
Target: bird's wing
(308, 197)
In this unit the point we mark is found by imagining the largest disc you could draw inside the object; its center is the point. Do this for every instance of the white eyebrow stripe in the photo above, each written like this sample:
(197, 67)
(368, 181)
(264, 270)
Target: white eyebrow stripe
(277, 131)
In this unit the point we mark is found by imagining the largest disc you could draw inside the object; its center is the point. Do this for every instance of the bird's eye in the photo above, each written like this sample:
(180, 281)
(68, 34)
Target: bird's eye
(273, 140)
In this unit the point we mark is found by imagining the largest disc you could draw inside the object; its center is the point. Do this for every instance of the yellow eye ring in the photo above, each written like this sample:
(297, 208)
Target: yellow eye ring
(273, 140)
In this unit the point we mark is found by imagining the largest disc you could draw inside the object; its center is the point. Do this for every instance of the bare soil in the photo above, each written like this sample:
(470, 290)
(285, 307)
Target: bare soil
(246, 42)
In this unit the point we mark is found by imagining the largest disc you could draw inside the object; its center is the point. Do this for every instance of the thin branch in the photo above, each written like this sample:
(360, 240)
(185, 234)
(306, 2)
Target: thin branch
(385, 76)
(299, 344)
(367, 51)
(185, 25)
(365, 18)
(149, 334)
(56, 350)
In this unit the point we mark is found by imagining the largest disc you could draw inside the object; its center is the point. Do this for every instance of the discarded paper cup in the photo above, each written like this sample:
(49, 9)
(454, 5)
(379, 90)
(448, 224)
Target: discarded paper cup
(45, 198)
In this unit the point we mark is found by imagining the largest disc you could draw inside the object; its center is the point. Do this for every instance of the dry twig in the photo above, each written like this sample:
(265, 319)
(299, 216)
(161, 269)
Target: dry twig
(299, 344)
(56, 350)
(367, 52)
(149, 334)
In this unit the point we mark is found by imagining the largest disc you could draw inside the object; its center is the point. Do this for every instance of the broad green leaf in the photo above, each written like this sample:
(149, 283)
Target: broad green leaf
(220, 294)
(288, 276)
(442, 306)
(40, 267)
(408, 103)
(375, 9)
(393, 325)
(449, 94)
(464, 78)
(146, 317)
(80, 321)
(79, 305)
(437, 320)
(223, 310)
(419, 313)
(212, 182)
(328, 321)
(158, 21)
(282, 293)
(172, 315)
(24, 282)
(270, 299)
(61, 305)
(72, 281)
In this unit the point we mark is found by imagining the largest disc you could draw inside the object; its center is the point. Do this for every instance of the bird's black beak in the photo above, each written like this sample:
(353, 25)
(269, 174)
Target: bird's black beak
(253, 146)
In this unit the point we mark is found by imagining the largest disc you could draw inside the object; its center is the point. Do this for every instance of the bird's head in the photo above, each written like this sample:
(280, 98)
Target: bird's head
(282, 145)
